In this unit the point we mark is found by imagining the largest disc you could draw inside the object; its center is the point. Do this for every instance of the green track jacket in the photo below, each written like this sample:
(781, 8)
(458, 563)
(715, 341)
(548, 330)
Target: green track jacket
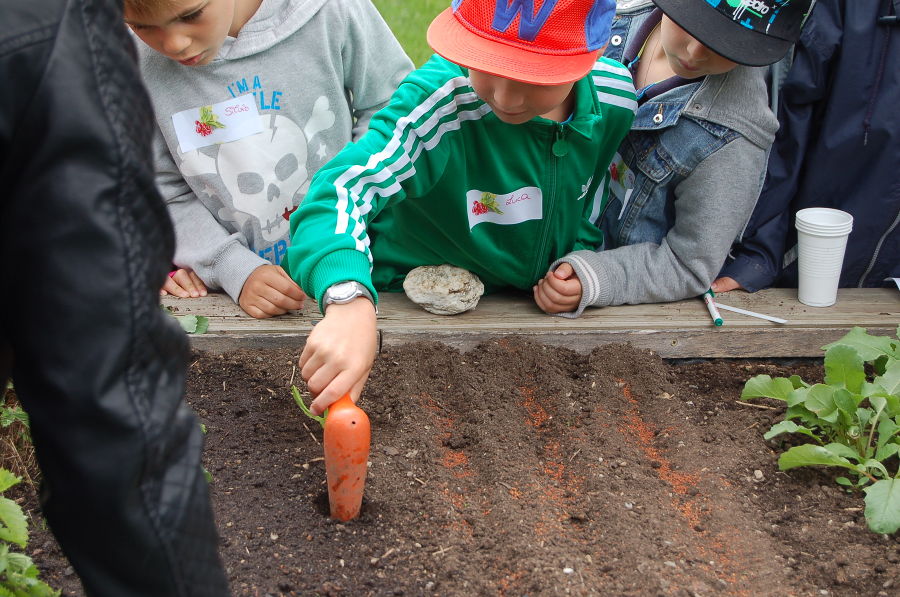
(440, 179)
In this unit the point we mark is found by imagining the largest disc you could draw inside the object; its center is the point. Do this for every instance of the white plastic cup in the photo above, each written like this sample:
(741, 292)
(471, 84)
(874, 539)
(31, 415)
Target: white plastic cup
(821, 240)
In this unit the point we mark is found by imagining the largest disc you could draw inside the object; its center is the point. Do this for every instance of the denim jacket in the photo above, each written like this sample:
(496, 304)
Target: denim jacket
(682, 186)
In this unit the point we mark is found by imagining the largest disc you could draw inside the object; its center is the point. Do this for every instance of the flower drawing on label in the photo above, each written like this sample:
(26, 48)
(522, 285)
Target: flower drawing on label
(208, 121)
(488, 203)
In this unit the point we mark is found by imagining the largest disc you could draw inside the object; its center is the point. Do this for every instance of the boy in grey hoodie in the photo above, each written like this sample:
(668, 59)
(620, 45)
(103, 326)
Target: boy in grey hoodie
(251, 98)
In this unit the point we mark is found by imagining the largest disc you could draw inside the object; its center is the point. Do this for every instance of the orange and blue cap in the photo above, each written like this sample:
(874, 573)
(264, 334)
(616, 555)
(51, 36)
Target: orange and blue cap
(543, 42)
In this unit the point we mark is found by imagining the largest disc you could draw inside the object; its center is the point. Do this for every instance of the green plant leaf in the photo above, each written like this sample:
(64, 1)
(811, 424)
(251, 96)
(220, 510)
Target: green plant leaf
(883, 506)
(890, 380)
(789, 427)
(764, 386)
(810, 455)
(802, 414)
(820, 400)
(844, 368)
(13, 526)
(887, 429)
(7, 480)
(868, 347)
(874, 464)
(193, 324)
(844, 481)
(864, 415)
(202, 324)
(188, 322)
(886, 451)
(8, 416)
(296, 394)
(797, 382)
(847, 403)
(843, 451)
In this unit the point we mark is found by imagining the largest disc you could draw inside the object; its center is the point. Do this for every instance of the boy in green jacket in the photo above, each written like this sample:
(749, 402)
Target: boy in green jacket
(485, 159)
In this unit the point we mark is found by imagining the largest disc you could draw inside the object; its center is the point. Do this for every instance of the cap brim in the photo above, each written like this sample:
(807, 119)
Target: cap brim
(724, 36)
(457, 44)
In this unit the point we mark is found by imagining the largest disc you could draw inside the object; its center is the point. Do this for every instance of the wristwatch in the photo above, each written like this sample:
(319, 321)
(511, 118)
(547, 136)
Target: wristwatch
(344, 292)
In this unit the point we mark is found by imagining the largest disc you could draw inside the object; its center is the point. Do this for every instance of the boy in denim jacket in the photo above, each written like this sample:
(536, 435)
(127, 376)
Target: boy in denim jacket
(688, 174)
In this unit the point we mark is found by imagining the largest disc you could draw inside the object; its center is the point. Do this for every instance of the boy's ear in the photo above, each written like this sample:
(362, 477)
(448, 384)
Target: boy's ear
(603, 50)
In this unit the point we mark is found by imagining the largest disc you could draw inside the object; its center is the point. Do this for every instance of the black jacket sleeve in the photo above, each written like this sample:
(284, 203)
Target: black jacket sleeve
(86, 243)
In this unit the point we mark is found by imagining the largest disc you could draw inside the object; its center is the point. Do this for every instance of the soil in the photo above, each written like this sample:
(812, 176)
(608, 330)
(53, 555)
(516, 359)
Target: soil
(520, 469)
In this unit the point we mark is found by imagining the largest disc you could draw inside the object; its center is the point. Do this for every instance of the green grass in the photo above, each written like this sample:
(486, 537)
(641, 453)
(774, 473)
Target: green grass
(409, 19)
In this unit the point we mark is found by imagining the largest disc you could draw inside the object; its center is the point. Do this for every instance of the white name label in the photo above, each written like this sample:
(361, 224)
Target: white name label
(512, 208)
(219, 123)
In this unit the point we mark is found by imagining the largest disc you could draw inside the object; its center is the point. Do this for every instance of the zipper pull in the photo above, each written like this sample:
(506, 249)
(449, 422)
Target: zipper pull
(560, 145)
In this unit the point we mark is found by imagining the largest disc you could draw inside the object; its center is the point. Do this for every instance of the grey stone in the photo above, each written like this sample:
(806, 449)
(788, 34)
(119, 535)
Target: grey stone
(443, 289)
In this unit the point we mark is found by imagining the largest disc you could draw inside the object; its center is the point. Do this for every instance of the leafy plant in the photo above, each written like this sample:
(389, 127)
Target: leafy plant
(18, 574)
(191, 324)
(10, 415)
(853, 420)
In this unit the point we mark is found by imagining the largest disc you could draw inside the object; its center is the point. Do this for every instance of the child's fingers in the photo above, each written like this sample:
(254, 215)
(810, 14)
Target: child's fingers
(275, 302)
(290, 288)
(724, 284)
(564, 271)
(198, 283)
(170, 286)
(260, 307)
(185, 281)
(546, 299)
(563, 286)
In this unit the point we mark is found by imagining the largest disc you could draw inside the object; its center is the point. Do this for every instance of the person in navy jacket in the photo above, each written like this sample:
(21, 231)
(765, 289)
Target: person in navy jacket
(838, 146)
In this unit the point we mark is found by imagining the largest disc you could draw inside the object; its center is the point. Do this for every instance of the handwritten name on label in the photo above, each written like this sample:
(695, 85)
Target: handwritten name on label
(219, 123)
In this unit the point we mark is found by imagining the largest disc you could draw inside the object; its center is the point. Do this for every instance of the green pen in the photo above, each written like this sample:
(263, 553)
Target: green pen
(711, 307)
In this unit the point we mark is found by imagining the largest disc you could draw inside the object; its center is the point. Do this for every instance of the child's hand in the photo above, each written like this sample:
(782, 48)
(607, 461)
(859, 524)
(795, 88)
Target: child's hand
(269, 291)
(339, 352)
(724, 284)
(183, 283)
(559, 291)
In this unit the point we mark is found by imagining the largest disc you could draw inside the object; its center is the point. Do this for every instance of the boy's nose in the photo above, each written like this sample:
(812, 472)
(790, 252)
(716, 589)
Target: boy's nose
(174, 44)
(696, 51)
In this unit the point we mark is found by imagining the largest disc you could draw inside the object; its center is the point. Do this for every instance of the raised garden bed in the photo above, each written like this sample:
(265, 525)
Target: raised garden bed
(522, 469)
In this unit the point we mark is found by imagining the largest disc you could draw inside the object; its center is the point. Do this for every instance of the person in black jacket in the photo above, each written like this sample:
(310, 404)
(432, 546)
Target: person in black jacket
(85, 243)
(838, 146)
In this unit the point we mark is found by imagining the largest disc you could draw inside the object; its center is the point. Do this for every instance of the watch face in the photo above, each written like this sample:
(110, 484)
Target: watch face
(342, 291)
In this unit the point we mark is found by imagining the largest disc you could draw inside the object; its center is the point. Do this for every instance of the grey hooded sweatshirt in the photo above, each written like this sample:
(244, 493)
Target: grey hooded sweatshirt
(684, 183)
(241, 137)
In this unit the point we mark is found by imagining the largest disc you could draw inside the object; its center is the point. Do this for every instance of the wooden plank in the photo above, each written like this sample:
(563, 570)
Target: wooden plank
(674, 330)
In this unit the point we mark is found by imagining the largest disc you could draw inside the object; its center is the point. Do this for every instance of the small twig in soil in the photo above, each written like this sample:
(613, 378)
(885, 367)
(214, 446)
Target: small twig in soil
(751, 405)
(293, 370)
(442, 551)
(420, 481)
(509, 487)
(572, 457)
(310, 433)
(223, 385)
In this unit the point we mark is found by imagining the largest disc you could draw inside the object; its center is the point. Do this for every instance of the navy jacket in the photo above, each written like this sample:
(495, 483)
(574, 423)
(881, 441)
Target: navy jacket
(838, 146)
